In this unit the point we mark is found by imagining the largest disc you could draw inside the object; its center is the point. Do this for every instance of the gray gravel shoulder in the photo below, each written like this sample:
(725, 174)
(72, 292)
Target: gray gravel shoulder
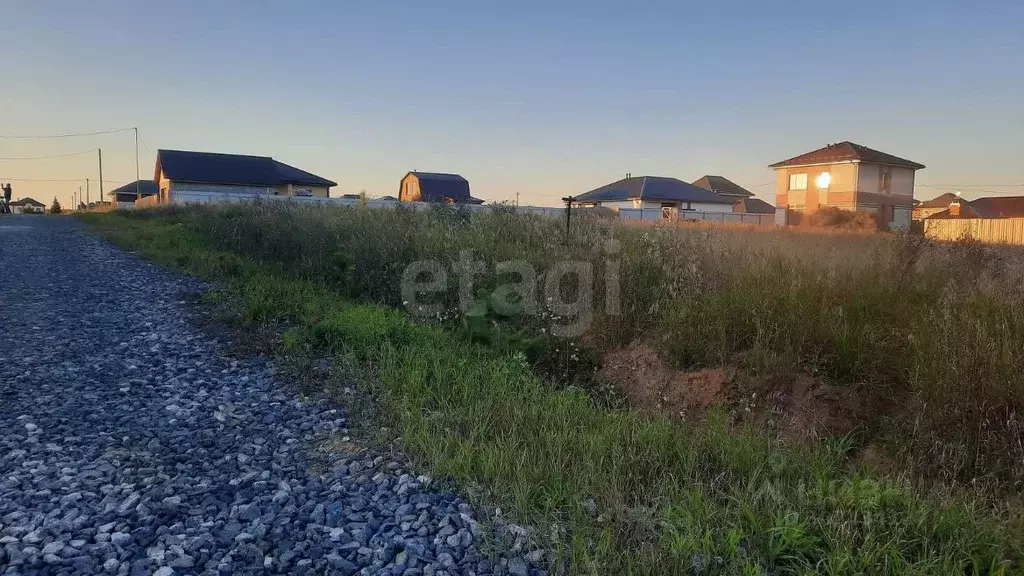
(130, 446)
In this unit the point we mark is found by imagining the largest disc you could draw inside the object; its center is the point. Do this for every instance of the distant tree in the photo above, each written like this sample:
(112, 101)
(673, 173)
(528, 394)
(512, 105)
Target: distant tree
(55, 207)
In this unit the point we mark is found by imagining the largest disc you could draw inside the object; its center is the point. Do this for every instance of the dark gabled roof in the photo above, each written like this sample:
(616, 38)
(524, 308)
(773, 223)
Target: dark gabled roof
(146, 187)
(1000, 206)
(437, 186)
(940, 201)
(754, 206)
(387, 198)
(846, 152)
(439, 176)
(722, 185)
(292, 175)
(237, 169)
(28, 202)
(653, 188)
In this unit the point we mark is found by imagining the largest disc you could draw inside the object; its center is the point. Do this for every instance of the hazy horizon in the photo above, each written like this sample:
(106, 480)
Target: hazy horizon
(531, 98)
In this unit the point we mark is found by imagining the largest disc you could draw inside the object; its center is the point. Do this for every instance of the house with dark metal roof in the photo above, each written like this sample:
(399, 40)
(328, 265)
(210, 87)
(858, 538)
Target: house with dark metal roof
(848, 176)
(435, 187)
(187, 176)
(743, 199)
(723, 186)
(752, 206)
(655, 193)
(125, 196)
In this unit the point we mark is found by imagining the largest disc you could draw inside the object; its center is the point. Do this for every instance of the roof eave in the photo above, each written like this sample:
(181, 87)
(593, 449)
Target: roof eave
(173, 181)
(907, 164)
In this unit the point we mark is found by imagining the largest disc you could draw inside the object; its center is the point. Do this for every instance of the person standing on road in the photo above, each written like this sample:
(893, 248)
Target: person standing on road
(7, 198)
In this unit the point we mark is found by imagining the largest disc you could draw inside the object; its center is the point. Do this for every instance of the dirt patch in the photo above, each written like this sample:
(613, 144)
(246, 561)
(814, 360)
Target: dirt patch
(876, 459)
(797, 405)
(806, 408)
(648, 383)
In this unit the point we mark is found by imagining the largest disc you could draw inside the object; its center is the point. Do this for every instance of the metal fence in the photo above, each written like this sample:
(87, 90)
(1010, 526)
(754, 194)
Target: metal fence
(995, 230)
(671, 215)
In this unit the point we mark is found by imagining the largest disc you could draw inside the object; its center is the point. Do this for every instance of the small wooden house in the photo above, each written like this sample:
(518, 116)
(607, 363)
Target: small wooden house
(435, 187)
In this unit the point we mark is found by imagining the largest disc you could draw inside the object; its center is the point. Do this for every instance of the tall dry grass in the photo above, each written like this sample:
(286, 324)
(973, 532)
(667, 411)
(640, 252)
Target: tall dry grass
(932, 335)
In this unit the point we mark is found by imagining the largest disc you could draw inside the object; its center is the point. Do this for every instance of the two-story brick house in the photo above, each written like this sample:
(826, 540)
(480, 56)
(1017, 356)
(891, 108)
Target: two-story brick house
(847, 176)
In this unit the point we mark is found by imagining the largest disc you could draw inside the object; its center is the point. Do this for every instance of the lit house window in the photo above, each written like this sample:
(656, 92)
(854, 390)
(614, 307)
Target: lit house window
(798, 181)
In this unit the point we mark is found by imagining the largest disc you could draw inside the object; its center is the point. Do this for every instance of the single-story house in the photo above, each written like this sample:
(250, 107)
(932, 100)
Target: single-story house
(926, 208)
(744, 201)
(125, 196)
(722, 186)
(186, 176)
(986, 207)
(655, 193)
(435, 187)
(27, 206)
(752, 206)
(1000, 206)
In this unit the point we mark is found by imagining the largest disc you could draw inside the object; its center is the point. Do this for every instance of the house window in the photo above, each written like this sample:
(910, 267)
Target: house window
(798, 181)
(884, 179)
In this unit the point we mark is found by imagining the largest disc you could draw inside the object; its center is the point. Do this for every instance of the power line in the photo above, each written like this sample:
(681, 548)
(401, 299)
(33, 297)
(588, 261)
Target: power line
(3, 179)
(970, 185)
(91, 151)
(68, 135)
(144, 145)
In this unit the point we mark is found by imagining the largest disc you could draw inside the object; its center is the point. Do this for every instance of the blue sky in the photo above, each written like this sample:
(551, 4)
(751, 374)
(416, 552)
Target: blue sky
(541, 98)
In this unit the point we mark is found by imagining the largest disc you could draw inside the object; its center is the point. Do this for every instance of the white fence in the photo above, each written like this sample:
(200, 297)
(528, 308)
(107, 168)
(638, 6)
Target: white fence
(672, 215)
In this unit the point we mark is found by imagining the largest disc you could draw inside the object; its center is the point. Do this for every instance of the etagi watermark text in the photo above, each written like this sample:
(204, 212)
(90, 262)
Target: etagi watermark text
(567, 288)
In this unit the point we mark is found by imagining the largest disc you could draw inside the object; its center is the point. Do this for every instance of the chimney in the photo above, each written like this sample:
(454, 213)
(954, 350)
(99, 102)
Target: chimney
(954, 208)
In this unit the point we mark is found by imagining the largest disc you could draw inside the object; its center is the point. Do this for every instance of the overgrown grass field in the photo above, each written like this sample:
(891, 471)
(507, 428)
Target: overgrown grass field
(930, 336)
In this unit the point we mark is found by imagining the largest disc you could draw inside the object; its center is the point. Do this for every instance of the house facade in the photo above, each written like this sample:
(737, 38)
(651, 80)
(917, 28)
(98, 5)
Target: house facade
(125, 196)
(27, 206)
(655, 193)
(847, 176)
(435, 187)
(187, 176)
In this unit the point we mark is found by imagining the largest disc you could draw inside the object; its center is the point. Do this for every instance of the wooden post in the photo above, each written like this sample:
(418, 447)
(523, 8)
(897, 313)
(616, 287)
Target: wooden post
(568, 215)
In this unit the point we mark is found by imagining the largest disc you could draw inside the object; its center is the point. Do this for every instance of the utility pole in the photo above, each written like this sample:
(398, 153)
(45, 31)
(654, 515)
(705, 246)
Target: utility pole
(100, 152)
(568, 215)
(517, 199)
(138, 190)
(87, 193)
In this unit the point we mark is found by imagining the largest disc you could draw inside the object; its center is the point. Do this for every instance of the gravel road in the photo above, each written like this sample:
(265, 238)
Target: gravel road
(130, 445)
